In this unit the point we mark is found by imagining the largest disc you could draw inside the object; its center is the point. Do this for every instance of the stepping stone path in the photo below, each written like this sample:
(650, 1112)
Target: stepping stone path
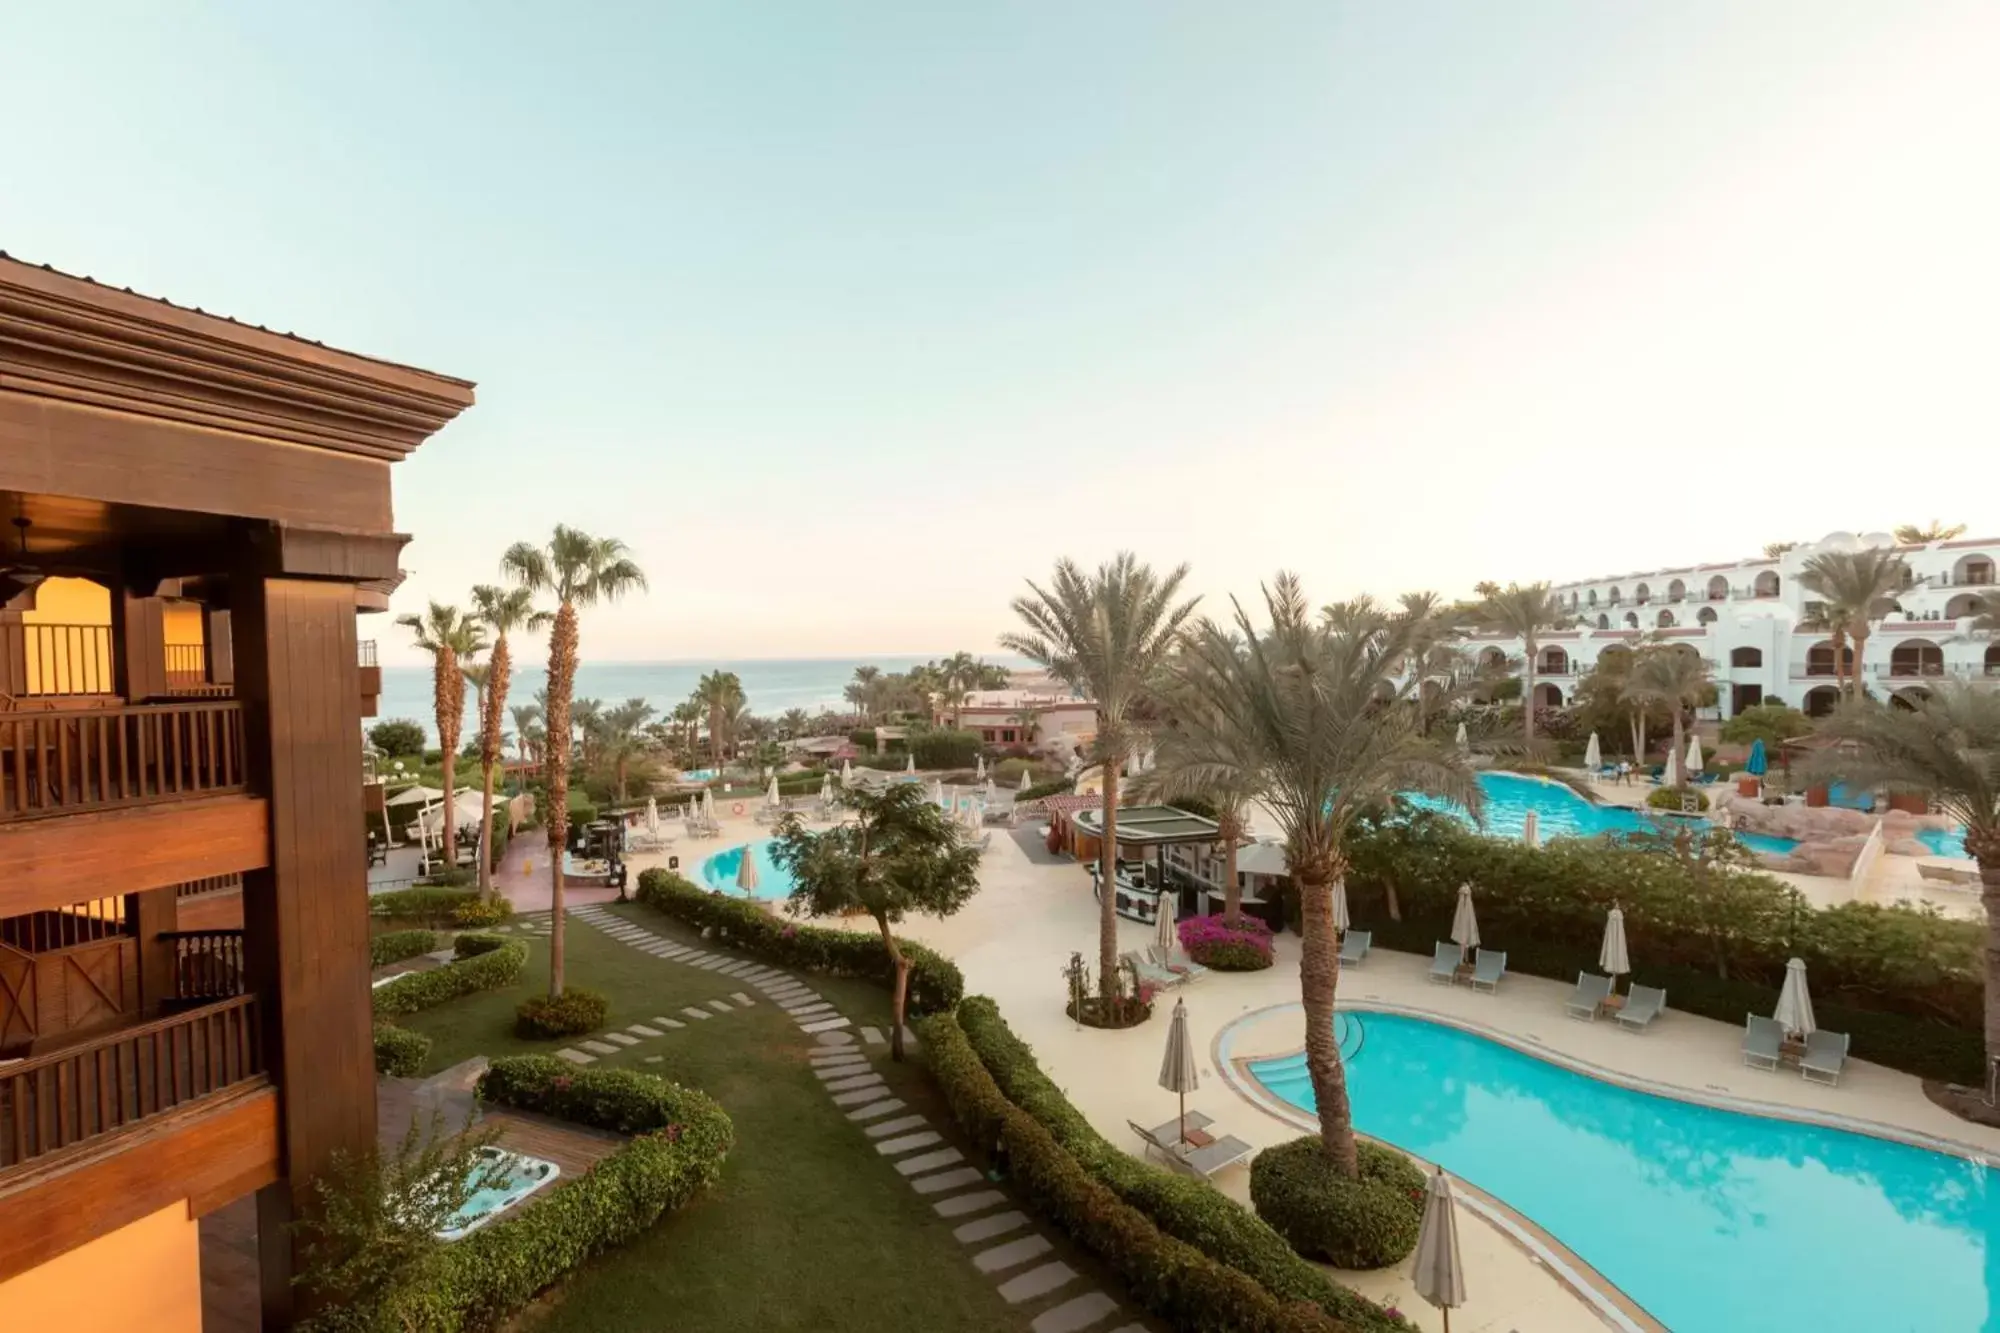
(999, 1238)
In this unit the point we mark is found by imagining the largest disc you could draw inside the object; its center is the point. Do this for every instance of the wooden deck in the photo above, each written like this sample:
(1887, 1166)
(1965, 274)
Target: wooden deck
(229, 1235)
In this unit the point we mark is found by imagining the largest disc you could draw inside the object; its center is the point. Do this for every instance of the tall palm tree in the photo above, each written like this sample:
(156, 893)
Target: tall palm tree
(1294, 713)
(451, 638)
(1180, 771)
(587, 720)
(686, 718)
(1675, 677)
(1429, 630)
(1854, 584)
(1947, 747)
(625, 737)
(720, 695)
(1108, 636)
(1911, 534)
(861, 690)
(502, 611)
(958, 675)
(579, 570)
(793, 723)
(1526, 613)
(527, 723)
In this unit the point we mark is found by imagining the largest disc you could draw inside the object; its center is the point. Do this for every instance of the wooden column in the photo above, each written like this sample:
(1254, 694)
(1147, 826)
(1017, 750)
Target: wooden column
(149, 913)
(215, 634)
(305, 917)
(138, 645)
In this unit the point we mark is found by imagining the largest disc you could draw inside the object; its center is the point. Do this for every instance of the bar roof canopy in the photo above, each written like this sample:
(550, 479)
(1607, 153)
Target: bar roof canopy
(1152, 825)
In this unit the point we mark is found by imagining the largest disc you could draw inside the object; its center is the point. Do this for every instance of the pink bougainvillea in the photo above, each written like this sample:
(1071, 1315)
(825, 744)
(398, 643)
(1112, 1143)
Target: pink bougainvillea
(1245, 946)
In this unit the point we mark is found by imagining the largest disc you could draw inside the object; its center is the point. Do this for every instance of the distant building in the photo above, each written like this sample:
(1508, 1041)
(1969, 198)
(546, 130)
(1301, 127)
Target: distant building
(1032, 717)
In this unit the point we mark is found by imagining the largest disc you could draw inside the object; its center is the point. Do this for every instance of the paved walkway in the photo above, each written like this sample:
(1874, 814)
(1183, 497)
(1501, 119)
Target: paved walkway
(998, 1236)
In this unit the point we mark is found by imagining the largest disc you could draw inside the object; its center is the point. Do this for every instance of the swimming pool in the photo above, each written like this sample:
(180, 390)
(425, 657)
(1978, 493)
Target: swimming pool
(510, 1178)
(1561, 813)
(773, 880)
(1714, 1221)
(698, 774)
(1945, 842)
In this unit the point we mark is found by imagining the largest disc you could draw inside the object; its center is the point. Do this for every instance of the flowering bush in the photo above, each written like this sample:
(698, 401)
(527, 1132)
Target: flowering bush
(1243, 947)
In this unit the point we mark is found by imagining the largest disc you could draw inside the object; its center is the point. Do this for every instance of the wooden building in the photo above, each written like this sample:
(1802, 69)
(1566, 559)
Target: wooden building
(225, 490)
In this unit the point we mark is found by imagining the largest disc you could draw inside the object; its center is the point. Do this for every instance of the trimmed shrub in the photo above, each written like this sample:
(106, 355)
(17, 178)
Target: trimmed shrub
(946, 749)
(1192, 1210)
(431, 905)
(1186, 1285)
(397, 945)
(482, 912)
(1670, 798)
(473, 943)
(399, 1052)
(574, 1011)
(1041, 789)
(620, 1100)
(1244, 947)
(1367, 1223)
(421, 990)
(935, 981)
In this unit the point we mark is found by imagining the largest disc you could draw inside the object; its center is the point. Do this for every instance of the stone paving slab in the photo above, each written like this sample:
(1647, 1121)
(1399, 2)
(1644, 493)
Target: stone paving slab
(838, 1055)
(849, 1082)
(599, 1047)
(1036, 1282)
(622, 1038)
(873, 1036)
(909, 1143)
(825, 1026)
(860, 1095)
(902, 1124)
(742, 999)
(986, 1228)
(930, 1161)
(1011, 1255)
(641, 1030)
(827, 1073)
(878, 1108)
(670, 1022)
(805, 1000)
(946, 1180)
(693, 1012)
(1076, 1314)
(819, 1013)
(833, 1038)
(961, 1204)
(575, 1057)
(720, 1006)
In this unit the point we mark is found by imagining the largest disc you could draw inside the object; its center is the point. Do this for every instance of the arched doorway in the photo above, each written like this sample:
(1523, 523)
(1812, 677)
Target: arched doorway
(1766, 584)
(1615, 596)
(1642, 594)
(1705, 616)
(1916, 657)
(1676, 591)
(1968, 604)
(1976, 569)
(1820, 661)
(1631, 620)
(1665, 620)
(1592, 596)
(1746, 657)
(1552, 662)
(1992, 662)
(1821, 700)
(1548, 695)
(1718, 589)
(1603, 621)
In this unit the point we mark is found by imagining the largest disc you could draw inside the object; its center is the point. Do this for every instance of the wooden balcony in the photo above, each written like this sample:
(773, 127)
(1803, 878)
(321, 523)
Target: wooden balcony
(57, 763)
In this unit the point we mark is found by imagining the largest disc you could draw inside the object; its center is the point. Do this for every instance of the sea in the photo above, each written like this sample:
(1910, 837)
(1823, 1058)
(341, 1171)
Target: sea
(771, 685)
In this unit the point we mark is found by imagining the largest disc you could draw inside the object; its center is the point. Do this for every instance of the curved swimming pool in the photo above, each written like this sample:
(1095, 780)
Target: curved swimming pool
(1714, 1221)
(773, 880)
(1561, 813)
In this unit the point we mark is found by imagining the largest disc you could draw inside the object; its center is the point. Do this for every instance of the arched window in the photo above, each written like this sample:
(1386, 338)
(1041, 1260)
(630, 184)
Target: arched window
(1746, 657)
(1821, 700)
(1642, 594)
(1552, 662)
(1631, 620)
(1819, 659)
(1593, 596)
(1967, 604)
(1492, 657)
(1766, 584)
(1917, 657)
(1665, 620)
(1705, 616)
(1718, 589)
(1615, 596)
(1547, 695)
(1676, 591)
(1603, 622)
(1974, 569)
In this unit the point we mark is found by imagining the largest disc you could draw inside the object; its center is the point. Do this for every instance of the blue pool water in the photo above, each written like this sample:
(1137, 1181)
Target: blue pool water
(698, 775)
(720, 870)
(1944, 842)
(1561, 813)
(1714, 1221)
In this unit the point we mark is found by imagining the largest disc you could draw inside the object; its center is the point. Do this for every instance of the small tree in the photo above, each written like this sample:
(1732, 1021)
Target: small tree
(900, 855)
(397, 737)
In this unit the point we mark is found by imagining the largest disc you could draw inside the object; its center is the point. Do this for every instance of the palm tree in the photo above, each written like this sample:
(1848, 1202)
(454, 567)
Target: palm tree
(503, 611)
(449, 637)
(720, 695)
(580, 570)
(1294, 713)
(587, 720)
(1909, 534)
(686, 718)
(1179, 771)
(527, 725)
(793, 723)
(1854, 584)
(1107, 636)
(1676, 677)
(957, 675)
(861, 690)
(1947, 747)
(1525, 614)
(624, 737)
(1429, 630)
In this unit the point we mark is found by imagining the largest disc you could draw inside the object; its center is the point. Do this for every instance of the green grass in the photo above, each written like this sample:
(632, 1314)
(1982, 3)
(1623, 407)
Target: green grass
(808, 1228)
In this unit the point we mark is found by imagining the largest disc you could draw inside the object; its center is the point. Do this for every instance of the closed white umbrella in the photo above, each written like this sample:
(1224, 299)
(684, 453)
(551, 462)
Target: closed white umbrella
(910, 764)
(1024, 781)
(846, 773)
(989, 790)
(1694, 754)
(826, 789)
(1593, 754)
(1612, 957)
(746, 872)
(1177, 1070)
(1531, 829)
(1439, 1272)
(652, 815)
(1340, 919)
(1464, 924)
(1164, 934)
(937, 793)
(1670, 776)
(979, 768)
(772, 798)
(1794, 1013)
(708, 805)
(1462, 743)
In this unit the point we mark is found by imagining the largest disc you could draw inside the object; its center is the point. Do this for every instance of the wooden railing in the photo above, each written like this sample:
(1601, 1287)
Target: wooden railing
(49, 1102)
(187, 664)
(365, 650)
(56, 659)
(64, 927)
(208, 964)
(194, 888)
(59, 763)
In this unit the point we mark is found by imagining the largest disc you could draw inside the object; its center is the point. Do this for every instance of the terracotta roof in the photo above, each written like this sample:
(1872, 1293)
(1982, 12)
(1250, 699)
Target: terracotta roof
(1068, 803)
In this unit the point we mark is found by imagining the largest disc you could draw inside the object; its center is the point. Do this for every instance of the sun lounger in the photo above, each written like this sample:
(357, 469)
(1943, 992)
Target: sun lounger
(1488, 968)
(1176, 960)
(1762, 1039)
(1444, 962)
(1200, 1162)
(1591, 990)
(1825, 1057)
(1152, 973)
(1355, 947)
(1642, 1006)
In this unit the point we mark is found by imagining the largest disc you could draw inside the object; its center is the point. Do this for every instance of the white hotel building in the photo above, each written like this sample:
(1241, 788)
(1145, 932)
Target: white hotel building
(1743, 616)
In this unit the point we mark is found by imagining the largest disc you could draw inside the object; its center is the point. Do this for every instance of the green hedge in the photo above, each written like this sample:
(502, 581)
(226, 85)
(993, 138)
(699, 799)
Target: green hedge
(1041, 789)
(473, 943)
(397, 945)
(1190, 1209)
(1908, 986)
(620, 1100)
(935, 981)
(1371, 1222)
(432, 905)
(399, 1052)
(420, 990)
(476, 911)
(479, 1282)
(570, 1014)
(946, 749)
(1171, 1277)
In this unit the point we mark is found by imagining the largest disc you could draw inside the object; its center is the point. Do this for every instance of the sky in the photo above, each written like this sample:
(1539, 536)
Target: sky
(850, 318)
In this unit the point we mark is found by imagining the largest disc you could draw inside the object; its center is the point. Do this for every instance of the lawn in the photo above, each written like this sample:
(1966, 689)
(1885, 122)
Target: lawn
(808, 1229)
